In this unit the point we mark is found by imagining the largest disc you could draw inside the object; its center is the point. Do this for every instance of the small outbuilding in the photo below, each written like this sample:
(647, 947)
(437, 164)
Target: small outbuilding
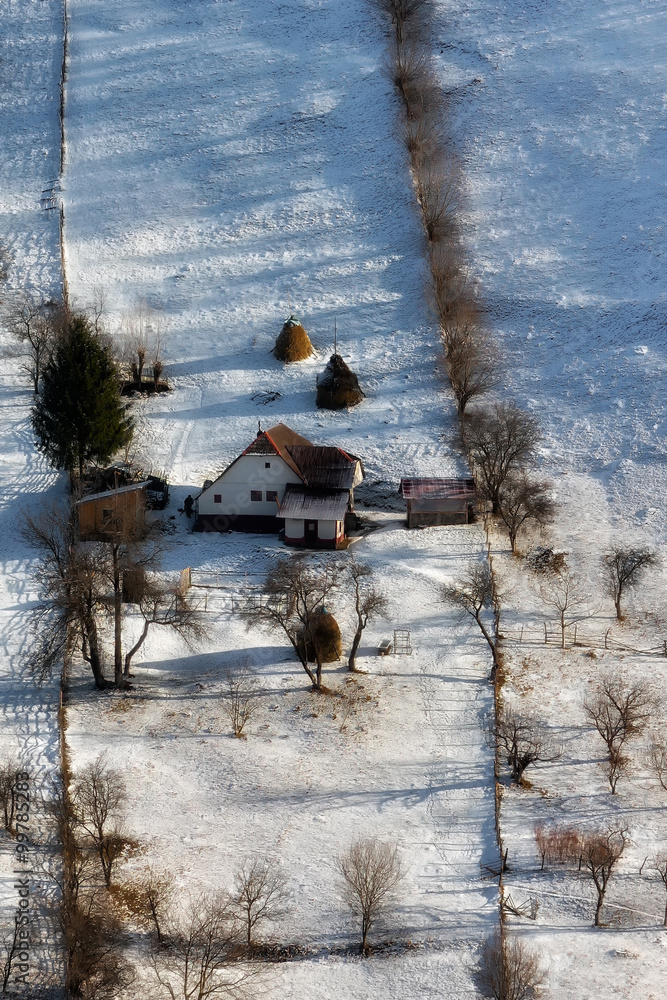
(114, 513)
(439, 501)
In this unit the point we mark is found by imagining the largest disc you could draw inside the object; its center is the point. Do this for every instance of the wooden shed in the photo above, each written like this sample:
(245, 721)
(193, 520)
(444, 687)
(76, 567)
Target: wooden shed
(439, 501)
(113, 513)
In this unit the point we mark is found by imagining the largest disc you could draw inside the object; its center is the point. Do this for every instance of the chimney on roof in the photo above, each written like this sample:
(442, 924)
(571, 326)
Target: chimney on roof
(259, 428)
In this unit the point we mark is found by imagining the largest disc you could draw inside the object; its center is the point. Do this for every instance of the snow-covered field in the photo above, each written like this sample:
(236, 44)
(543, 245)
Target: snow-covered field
(228, 163)
(30, 55)
(558, 111)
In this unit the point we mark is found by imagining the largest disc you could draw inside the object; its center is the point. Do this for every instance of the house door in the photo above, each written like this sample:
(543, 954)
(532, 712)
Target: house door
(311, 531)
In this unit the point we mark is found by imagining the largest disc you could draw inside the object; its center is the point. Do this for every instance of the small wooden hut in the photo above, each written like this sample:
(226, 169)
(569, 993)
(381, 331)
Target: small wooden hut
(293, 343)
(439, 501)
(112, 514)
(338, 386)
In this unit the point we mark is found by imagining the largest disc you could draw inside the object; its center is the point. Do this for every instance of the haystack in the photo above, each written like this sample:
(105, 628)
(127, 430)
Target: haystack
(337, 386)
(327, 636)
(293, 343)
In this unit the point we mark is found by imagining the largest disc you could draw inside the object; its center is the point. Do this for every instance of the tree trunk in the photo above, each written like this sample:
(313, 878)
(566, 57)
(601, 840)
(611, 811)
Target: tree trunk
(91, 640)
(117, 619)
(619, 613)
(364, 934)
(664, 923)
(351, 663)
(135, 649)
(598, 909)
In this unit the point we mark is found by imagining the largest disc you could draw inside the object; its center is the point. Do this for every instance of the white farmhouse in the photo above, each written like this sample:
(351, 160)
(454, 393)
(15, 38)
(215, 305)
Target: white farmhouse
(283, 482)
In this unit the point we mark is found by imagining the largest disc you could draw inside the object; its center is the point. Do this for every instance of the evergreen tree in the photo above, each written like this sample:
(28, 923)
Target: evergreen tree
(78, 416)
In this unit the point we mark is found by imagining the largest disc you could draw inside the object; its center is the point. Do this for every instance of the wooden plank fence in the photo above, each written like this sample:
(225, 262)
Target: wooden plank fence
(543, 635)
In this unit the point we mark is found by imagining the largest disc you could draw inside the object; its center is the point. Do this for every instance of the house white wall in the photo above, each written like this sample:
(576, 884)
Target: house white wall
(248, 473)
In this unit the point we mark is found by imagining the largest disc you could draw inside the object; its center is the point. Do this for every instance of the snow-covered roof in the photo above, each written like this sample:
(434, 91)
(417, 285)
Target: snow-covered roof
(108, 494)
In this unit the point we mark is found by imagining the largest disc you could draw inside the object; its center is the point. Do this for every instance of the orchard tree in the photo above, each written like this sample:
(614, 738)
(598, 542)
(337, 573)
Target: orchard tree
(501, 441)
(623, 571)
(369, 603)
(78, 416)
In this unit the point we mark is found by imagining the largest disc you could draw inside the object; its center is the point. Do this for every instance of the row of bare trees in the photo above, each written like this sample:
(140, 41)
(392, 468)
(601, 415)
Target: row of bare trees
(37, 321)
(81, 585)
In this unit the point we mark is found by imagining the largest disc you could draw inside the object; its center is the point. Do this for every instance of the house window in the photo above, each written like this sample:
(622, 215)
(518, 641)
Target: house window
(267, 465)
(255, 494)
(217, 498)
(107, 515)
(272, 494)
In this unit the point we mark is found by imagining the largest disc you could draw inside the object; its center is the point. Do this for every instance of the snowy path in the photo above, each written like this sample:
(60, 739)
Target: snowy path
(30, 55)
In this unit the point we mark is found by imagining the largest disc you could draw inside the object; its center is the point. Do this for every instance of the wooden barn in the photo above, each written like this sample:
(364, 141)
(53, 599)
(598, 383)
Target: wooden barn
(439, 501)
(113, 513)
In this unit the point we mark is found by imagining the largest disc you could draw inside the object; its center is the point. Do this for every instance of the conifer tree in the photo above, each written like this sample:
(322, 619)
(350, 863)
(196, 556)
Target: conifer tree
(78, 416)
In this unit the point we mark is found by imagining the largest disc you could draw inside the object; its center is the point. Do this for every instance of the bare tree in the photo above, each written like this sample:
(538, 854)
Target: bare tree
(369, 603)
(450, 287)
(500, 441)
(657, 757)
(472, 595)
(10, 775)
(372, 872)
(439, 194)
(204, 955)
(522, 500)
(260, 894)
(163, 606)
(659, 870)
(619, 710)
(293, 592)
(401, 13)
(71, 581)
(623, 571)
(509, 970)
(34, 324)
(241, 702)
(564, 595)
(600, 854)
(474, 368)
(158, 892)
(99, 797)
(523, 741)
(95, 966)
(11, 943)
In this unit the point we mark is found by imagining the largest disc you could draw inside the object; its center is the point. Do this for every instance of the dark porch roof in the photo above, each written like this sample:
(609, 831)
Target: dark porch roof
(314, 504)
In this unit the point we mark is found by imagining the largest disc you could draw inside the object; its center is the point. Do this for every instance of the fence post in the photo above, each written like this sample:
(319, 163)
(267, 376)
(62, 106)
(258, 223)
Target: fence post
(545, 634)
(606, 637)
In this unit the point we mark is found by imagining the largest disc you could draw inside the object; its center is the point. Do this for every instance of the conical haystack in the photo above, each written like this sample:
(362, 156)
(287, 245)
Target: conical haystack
(337, 386)
(327, 636)
(293, 343)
